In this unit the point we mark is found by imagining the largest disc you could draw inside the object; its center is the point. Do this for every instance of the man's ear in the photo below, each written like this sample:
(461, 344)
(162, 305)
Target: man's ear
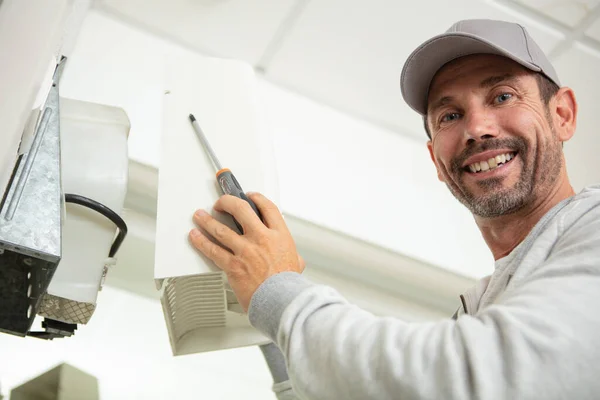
(430, 148)
(565, 113)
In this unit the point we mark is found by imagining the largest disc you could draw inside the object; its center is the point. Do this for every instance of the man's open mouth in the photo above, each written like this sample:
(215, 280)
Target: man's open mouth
(490, 164)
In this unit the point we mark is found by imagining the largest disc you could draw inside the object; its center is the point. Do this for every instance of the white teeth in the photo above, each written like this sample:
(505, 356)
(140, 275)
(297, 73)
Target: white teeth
(492, 163)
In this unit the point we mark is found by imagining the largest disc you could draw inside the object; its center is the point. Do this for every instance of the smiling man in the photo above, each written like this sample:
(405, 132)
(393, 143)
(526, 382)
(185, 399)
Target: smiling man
(498, 146)
(497, 117)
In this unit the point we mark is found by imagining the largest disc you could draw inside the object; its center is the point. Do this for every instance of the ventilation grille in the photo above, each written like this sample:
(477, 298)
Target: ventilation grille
(194, 302)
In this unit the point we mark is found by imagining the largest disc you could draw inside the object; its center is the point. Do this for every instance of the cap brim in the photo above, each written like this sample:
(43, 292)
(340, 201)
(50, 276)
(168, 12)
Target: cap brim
(422, 65)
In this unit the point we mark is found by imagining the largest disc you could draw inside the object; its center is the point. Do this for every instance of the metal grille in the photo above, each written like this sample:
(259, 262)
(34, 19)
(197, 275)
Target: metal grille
(65, 310)
(23, 280)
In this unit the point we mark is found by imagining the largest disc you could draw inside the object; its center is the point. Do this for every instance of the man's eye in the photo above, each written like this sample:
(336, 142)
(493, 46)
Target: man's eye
(503, 97)
(450, 117)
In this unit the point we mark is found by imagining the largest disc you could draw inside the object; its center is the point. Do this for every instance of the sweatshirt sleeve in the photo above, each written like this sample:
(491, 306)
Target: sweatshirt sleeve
(538, 341)
(275, 360)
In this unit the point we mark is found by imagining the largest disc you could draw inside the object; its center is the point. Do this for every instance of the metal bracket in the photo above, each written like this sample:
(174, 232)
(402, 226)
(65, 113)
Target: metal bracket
(31, 221)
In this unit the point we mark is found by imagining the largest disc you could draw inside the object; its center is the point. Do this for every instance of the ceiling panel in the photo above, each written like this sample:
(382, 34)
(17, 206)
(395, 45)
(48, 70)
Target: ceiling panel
(229, 28)
(594, 31)
(568, 12)
(349, 53)
(578, 69)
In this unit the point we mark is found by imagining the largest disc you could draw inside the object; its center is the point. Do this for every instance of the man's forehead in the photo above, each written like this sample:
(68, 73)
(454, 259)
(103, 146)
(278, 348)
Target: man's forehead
(473, 71)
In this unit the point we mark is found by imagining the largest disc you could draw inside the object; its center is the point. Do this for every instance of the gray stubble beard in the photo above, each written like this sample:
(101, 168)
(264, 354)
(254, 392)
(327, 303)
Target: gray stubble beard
(503, 201)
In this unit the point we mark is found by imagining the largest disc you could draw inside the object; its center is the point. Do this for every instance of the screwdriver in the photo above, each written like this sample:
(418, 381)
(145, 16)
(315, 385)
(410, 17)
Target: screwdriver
(225, 178)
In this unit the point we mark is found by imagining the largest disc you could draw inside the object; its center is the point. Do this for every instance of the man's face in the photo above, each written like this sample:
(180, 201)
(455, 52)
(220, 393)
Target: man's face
(493, 139)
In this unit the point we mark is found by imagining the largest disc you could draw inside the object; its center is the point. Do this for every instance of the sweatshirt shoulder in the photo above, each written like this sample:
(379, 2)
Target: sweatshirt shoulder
(578, 241)
(583, 210)
(590, 194)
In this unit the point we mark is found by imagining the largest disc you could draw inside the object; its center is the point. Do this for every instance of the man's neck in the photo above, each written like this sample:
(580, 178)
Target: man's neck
(503, 234)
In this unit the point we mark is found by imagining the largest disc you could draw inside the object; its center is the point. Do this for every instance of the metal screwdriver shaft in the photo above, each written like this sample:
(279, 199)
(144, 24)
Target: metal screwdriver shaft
(225, 178)
(205, 143)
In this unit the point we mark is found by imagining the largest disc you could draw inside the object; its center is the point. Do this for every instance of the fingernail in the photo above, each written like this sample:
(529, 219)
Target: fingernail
(195, 232)
(200, 213)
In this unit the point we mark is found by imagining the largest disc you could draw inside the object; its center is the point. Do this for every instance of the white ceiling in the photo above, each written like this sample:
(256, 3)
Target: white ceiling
(349, 53)
(594, 30)
(568, 12)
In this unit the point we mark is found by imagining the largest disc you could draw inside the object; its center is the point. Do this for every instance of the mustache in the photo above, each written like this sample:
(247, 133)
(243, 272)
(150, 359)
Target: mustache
(514, 144)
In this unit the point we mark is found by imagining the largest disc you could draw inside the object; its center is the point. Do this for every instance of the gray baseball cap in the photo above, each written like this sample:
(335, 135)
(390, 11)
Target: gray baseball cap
(474, 36)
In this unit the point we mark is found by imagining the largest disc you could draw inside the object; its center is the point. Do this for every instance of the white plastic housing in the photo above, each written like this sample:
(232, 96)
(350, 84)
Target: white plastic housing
(201, 314)
(95, 165)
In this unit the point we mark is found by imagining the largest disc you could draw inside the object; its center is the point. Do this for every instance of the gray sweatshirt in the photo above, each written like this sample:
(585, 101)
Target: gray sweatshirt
(529, 331)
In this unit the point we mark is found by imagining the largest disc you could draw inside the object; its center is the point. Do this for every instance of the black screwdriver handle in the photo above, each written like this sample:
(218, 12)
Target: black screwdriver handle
(230, 185)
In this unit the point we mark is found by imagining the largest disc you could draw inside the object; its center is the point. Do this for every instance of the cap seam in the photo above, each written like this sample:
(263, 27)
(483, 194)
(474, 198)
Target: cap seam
(526, 43)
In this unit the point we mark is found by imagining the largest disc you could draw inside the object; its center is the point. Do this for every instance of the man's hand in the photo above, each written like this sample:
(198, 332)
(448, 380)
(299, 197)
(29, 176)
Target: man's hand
(249, 259)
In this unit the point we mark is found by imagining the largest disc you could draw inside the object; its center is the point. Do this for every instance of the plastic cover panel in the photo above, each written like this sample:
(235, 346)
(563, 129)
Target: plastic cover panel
(194, 302)
(222, 95)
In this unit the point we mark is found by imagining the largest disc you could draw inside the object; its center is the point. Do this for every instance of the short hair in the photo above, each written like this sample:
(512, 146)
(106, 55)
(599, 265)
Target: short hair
(546, 86)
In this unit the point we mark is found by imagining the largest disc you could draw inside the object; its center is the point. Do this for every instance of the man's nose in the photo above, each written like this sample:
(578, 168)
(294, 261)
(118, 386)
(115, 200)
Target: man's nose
(479, 126)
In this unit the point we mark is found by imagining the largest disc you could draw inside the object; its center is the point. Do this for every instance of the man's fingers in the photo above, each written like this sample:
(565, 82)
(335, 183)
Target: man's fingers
(222, 233)
(219, 255)
(240, 210)
(270, 212)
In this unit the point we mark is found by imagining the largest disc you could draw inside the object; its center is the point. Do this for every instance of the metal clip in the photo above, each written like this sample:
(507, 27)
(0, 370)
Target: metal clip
(109, 262)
